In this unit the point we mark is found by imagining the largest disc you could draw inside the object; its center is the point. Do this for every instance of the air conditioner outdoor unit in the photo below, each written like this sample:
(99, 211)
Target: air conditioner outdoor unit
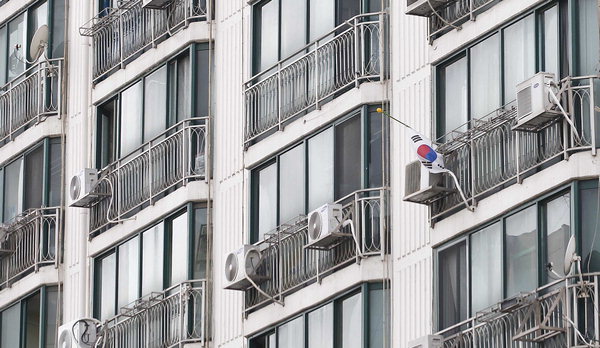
(324, 230)
(241, 266)
(77, 334)
(534, 102)
(429, 341)
(422, 7)
(155, 4)
(421, 185)
(81, 187)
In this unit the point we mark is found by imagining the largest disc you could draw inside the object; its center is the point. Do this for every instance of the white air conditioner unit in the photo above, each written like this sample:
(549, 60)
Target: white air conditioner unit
(429, 341)
(78, 334)
(423, 7)
(324, 226)
(241, 266)
(535, 106)
(155, 4)
(81, 187)
(421, 186)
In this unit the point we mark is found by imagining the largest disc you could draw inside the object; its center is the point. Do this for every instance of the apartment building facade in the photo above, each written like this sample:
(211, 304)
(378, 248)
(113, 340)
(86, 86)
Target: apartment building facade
(197, 173)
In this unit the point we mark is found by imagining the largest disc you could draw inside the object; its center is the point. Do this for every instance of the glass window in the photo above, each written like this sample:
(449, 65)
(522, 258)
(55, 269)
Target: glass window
(16, 37)
(105, 145)
(34, 180)
(131, 118)
(293, 26)
(291, 334)
(320, 169)
(375, 149)
(378, 318)
(3, 45)
(452, 287)
(11, 323)
(184, 96)
(13, 186)
(589, 198)
(32, 321)
(179, 249)
(322, 17)
(129, 270)
(587, 26)
(485, 77)
(51, 318)
(521, 251)
(486, 267)
(551, 42)
(347, 9)
(558, 232)
(200, 247)
(266, 35)
(291, 185)
(267, 200)
(453, 96)
(106, 269)
(202, 79)
(320, 327)
(155, 104)
(152, 259)
(347, 157)
(55, 172)
(36, 18)
(352, 321)
(519, 55)
(58, 29)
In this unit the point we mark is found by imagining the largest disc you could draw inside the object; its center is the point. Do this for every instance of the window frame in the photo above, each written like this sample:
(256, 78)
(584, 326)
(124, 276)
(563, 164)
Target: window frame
(363, 289)
(364, 113)
(191, 209)
(539, 59)
(539, 203)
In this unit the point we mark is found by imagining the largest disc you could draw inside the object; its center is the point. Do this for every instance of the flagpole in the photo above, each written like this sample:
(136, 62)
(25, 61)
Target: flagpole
(457, 184)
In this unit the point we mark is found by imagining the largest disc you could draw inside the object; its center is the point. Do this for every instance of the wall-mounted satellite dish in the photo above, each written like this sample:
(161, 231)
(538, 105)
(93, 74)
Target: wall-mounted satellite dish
(570, 255)
(39, 42)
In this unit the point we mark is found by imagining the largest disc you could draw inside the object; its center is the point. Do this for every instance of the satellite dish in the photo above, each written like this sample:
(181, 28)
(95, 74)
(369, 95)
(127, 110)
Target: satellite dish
(39, 42)
(570, 255)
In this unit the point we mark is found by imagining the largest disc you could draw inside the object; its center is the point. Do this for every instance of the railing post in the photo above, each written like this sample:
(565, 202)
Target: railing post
(37, 247)
(381, 40)
(181, 315)
(10, 111)
(207, 152)
(359, 222)
(382, 223)
(517, 157)
(279, 92)
(356, 52)
(567, 131)
(592, 116)
(473, 168)
(203, 314)
(40, 91)
(150, 174)
(121, 40)
(471, 14)
(153, 26)
(317, 106)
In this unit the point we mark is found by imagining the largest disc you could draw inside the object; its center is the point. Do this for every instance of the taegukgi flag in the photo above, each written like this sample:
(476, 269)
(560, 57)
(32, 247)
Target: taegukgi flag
(429, 158)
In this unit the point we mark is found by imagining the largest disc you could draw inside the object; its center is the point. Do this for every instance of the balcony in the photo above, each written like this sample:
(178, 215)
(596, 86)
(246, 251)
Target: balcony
(173, 317)
(171, 160)
(28, 242)
(349, 55)
(454, 14)
(30, 98)
(288, 265)
(490, 155)
(561, 314)
(120, 34)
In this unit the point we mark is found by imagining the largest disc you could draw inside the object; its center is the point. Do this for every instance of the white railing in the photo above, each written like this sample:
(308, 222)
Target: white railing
(172, 159)
(170, 318)
(350, 54)
(490, 154)
(30, 97)
(29, 242)
(121, 34)
(287, 265)
(454, 14)
(562, 314)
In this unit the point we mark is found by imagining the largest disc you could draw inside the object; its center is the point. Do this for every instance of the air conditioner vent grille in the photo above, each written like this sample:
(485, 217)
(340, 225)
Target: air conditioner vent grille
(412, 178)
(524, 107)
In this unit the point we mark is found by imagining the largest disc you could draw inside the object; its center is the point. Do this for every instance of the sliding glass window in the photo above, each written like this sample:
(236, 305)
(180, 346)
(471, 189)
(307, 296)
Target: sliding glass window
(452, 285)
(339, 160)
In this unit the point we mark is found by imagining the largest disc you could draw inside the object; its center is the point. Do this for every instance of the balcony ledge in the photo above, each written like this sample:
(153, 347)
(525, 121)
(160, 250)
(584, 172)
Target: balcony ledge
(51, 126)
(46, 275)
(11, 7)
(194, 33)
(367, 93)
(194, 191)
(369, 269)
(579, 166)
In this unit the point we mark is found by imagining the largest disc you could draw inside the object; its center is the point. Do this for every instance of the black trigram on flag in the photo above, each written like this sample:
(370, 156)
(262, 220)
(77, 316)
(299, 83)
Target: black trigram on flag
(427, 164)
(416, 138)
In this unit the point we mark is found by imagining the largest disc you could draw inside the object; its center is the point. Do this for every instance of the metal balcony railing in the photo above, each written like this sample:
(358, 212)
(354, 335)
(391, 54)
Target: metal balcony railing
(29, 242)
(30, 97)
(172, 159)
(350, 54)
(288, 265)
(120, 34)
(490, 155)
(454, 14)
(170, 318)
(562, 314)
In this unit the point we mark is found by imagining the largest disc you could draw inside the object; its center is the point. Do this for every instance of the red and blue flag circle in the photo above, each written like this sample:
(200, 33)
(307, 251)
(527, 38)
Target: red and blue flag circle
(426, 152)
